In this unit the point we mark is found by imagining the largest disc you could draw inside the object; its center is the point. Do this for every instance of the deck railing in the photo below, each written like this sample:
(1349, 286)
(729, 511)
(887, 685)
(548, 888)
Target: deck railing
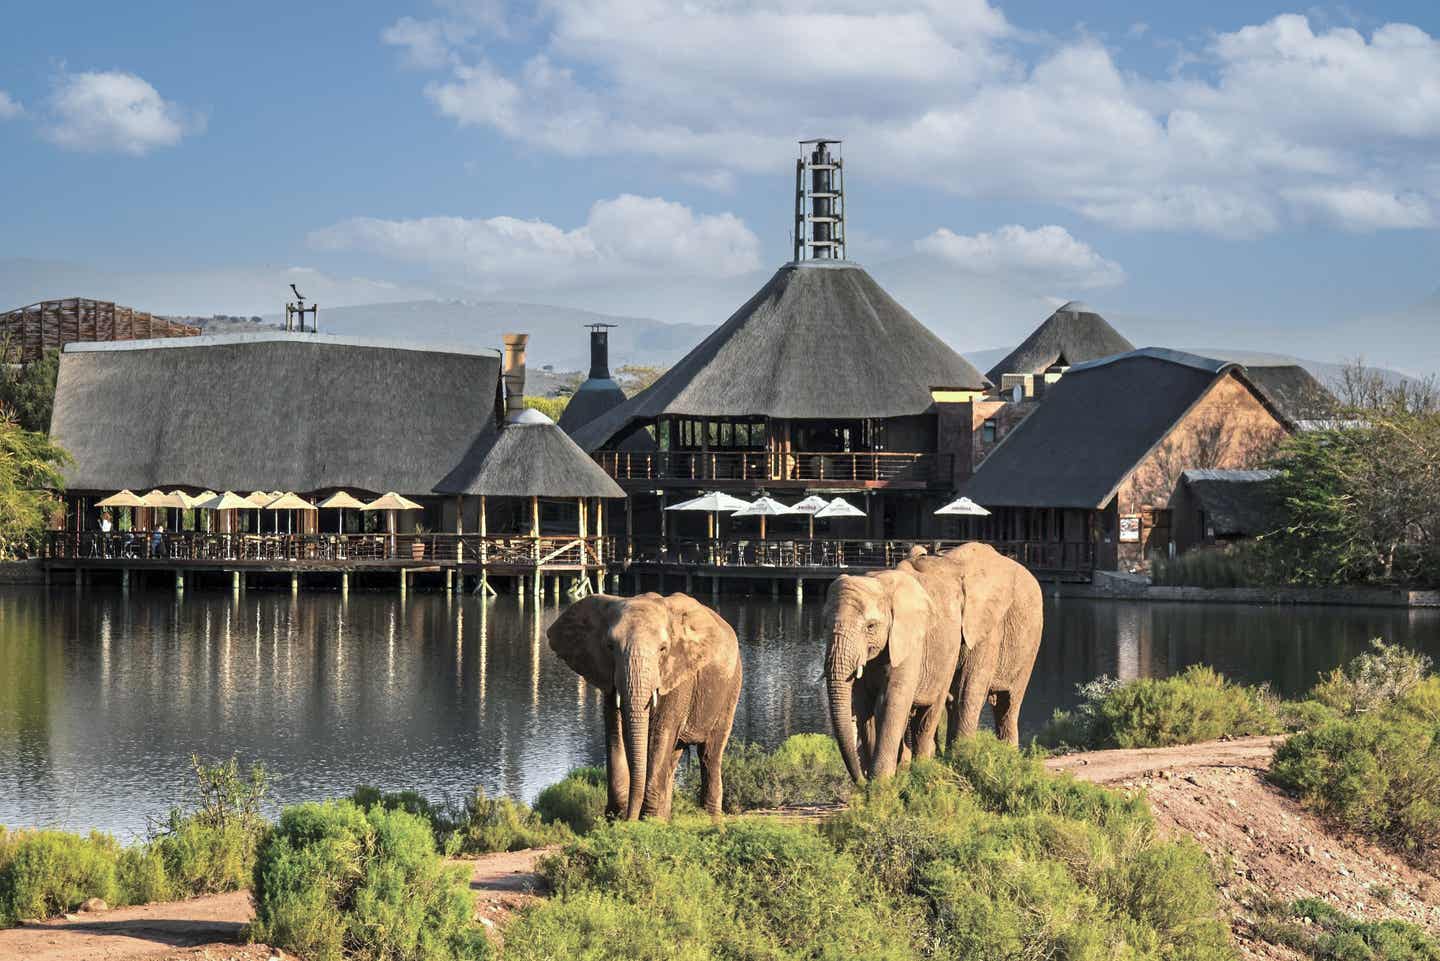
(502, 550)
(836, 553)
(742, 466)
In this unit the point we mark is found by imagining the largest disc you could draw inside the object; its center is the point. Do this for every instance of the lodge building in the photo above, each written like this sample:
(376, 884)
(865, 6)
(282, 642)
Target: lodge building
(821, 384)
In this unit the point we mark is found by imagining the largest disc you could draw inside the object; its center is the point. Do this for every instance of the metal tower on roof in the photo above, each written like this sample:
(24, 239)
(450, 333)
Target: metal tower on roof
(819, 201)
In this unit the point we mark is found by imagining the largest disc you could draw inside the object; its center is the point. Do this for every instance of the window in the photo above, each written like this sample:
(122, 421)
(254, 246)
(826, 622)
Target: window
(988, 431)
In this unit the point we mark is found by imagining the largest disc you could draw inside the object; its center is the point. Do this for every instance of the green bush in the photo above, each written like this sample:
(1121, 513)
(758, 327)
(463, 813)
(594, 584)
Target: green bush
(1233, 566)
(210, 846)
(45, 873)
(1377, 773)
(578, 801)
(1010, 861)
(1315, 930)
(337, 881)
(805, 769)
(482, 825)
(753, 888)
(1196, 705)
(1374, 680)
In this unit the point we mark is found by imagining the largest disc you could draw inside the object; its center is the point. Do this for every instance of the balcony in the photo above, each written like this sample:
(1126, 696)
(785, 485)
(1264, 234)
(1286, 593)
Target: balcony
(718, 468)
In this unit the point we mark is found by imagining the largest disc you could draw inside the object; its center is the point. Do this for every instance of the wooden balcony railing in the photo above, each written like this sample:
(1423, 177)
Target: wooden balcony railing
(835, 553)
(742, 466)
(508, 550)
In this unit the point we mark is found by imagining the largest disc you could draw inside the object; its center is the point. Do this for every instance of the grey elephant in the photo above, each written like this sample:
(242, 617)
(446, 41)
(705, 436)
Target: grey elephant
(1003, 617)
(894, 644)
(669, 669)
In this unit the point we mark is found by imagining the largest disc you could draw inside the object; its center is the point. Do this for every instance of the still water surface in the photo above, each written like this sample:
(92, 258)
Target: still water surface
(104, 697)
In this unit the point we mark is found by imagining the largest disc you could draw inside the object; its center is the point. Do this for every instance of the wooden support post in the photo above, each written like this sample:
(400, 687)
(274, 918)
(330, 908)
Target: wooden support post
(79, 578)
(629, 530)
(234, 581)
(125, 581)
(775, 587)
(714, 587)
(459, 529)
(404, 581)
(484, 548)
(689, 584)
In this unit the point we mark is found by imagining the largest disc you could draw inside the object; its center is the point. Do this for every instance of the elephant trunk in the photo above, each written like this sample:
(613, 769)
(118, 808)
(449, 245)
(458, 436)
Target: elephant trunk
(636, 693)
(841, 671)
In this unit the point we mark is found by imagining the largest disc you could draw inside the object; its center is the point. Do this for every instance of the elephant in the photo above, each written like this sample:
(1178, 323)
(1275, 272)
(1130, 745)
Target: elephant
(1002, 619)
(669, 669)
(894, 645)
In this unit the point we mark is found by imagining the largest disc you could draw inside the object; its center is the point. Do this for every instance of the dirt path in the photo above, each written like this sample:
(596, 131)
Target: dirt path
(212, 928)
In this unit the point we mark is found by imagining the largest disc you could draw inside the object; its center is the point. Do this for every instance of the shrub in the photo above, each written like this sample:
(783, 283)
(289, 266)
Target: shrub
(210, 847)
(1316, 930)
(336, 881)
(482, 825)
(45, 873)
(804, 769)
(1011, 861)
(1373, 680)
(1377, 773)
(1196, 705)
(578, 801)
(750, 889)
(1233, 566)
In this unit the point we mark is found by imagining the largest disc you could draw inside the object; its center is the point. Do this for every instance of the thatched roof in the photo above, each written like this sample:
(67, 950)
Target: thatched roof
(597, 396)
(820, 340)
(1237, 503)
(1293, 389)
(1095, 426)
(1072, 335)
(302, 412)
(530, 457)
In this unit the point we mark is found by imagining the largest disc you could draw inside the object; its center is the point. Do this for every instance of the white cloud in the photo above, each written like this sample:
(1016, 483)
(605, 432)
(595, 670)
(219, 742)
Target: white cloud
(1045, 256)
(952, 95)
(628, 236)
(10, 108)
(114, 111)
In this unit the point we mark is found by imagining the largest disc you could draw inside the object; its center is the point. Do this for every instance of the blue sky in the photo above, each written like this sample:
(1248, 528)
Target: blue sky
(1255, 175)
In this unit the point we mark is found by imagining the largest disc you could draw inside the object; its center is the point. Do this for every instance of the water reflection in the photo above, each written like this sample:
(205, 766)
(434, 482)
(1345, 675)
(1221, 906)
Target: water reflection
(104, 696)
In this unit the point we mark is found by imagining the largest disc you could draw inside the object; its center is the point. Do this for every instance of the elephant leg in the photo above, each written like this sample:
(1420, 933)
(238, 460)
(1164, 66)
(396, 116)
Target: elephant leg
(923, 728)
(1006, 708)
(865, 727)
(712, 787)
(894, 719)
(971, 702)
(616, 766)
(659, 797)
(907, 745)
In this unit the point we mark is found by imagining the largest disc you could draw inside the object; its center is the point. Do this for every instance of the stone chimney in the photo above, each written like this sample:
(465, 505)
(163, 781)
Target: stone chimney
(513, 372)
(600, 351)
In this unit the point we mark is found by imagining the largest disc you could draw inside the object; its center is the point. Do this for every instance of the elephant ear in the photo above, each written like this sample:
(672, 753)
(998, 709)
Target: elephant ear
(984, 606)
(910, 614)
(695, 636)
(579, 637)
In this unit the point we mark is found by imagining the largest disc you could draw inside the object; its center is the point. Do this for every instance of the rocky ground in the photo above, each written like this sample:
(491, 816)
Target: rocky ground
(1266, 850)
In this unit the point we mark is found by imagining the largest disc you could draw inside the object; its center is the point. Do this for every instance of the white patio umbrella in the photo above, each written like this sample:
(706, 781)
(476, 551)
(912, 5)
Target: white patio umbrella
(762, 507)
(713, 503)
(809, 506)
(839, 507)
(228, 501)
(962, 507)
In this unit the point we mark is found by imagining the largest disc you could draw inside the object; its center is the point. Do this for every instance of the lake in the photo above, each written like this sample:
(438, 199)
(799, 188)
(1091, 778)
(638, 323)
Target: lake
(104, 697)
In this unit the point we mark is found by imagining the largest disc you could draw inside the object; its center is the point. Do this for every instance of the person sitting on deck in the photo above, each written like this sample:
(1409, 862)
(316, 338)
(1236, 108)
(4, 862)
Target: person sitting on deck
(157, 541)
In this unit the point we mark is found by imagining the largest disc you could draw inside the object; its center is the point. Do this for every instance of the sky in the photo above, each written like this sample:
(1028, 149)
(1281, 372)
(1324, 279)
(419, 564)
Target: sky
(1252, 175)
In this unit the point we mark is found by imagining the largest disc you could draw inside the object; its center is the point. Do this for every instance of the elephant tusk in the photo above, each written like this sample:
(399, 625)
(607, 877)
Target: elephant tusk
(655, 698)
(617, 699)
(859, 670)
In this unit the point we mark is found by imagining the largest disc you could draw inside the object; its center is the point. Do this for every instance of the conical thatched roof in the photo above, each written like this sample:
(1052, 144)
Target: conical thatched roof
(1072, 335)
(820, 340)
(597, 396)
(530, 457)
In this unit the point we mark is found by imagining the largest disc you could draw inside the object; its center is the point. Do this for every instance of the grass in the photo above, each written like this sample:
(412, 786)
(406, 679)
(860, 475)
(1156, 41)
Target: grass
(481, 825)
(1195, 705)
(804, 769)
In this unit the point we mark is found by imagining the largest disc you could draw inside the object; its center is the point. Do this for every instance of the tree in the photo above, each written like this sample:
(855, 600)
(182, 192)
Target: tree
(28, 390)
(634, 378)
(30, 466)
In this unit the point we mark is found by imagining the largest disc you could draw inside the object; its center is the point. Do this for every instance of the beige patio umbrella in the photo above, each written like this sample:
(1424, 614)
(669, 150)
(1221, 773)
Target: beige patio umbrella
(342, 501)
(228, 501)
(122, 499)
(392, 502)
(291, 503)
(159, 499)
